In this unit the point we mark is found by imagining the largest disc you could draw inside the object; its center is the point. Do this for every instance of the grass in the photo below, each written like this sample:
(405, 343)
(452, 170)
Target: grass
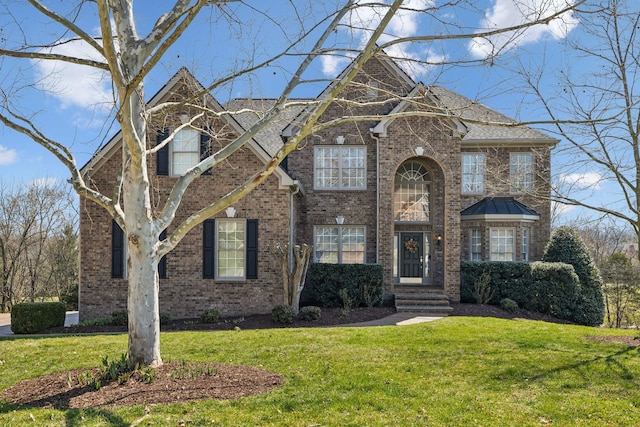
(457, 371)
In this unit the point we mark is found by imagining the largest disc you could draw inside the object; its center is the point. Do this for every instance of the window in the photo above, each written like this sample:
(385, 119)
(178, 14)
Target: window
(230, 249)
(502, 244)
(473, 173)
(475, 253)
(339, 244)
(525, 244)
(340, 168)
(411, 192)
(186, 150)
(521, 171)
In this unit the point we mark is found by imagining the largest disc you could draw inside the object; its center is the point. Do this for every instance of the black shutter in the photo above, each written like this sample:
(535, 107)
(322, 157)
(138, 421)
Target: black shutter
(162, 155)
(208, 248)
(205, 149)
(252, 249)
(162, 265)
(117, 251)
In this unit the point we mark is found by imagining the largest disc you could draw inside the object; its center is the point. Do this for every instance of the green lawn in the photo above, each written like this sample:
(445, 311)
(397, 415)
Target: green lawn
(458, 371)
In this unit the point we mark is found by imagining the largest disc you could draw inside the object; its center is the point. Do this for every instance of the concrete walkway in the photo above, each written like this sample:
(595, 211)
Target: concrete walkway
(5, 322)
(397, 319)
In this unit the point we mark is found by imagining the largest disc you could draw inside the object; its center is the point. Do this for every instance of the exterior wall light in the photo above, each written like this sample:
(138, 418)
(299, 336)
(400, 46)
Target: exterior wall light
(439, 241)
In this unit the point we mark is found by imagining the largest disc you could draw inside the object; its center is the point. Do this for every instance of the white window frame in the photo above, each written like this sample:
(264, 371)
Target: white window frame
(495, 254)
(525, 237)
(340, 233)
(521, 172)
(473, 173)
(217, 261)
(475, 244)
(178, 148)
(342, 151)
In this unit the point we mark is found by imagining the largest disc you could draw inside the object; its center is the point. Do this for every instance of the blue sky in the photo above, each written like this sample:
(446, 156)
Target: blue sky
(77, 110)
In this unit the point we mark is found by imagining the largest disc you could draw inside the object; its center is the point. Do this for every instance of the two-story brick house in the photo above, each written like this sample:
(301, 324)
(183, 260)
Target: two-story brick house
(420, 179)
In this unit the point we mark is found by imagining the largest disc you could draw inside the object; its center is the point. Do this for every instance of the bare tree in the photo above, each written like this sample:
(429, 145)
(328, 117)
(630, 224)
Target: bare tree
(29, 218)
(128, 58)
(593, 103)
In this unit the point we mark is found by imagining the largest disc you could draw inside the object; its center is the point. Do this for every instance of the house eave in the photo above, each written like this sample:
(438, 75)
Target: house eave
(509, 142)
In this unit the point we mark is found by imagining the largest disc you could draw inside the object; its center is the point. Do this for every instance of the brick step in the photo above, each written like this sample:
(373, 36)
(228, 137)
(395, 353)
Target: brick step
(419, 299)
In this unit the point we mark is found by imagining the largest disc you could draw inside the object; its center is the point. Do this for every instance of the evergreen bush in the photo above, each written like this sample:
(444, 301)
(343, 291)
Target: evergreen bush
(566, 246)
(32, 317)
(283, 314)
(363, 284)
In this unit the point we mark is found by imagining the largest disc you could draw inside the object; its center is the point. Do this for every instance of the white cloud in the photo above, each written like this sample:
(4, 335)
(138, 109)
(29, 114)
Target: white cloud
(582, 180)
(44, 182)
(73, 84)
(367, 16)
(509, 13)
(7, 155)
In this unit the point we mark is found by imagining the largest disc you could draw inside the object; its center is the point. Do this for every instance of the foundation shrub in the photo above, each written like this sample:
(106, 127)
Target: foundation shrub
(363, 284)
(282, 314)
(32, 317)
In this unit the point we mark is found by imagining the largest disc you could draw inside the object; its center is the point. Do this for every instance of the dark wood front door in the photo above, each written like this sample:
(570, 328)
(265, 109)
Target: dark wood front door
(412, 254)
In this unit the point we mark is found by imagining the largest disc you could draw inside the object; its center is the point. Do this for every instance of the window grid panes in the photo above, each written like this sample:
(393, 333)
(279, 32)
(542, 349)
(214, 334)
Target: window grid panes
(502, 244)
(231, 248)
(340, 168)
(476, 245)
(473, 166)
(525, 244)
(411, 193)
(339, 244)
(521, 171)
(186, 150)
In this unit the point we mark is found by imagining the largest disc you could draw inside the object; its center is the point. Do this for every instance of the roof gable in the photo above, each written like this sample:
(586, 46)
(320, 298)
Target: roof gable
(181, 77)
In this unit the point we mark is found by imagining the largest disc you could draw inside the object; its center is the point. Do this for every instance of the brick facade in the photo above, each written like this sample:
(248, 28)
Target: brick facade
(285, 215)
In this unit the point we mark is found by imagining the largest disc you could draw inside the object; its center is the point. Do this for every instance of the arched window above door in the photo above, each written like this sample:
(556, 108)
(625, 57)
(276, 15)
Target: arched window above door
(412, 188)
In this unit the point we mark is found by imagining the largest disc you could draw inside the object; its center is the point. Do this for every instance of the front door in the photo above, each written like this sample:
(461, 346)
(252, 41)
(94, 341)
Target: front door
(412, 257)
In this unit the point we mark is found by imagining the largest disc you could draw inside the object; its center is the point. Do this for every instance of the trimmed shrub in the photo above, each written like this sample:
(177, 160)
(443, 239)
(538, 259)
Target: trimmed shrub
(282, 314)
(566, 246)
(32, 317)
(363, 284)
(310, 312)
(550, 288)
(509, 305)
(120, 318)
(210, 316)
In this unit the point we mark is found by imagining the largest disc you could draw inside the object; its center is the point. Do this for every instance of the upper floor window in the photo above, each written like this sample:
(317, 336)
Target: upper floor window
(344, 244)
(340, 168)
(473, 165)
(521, 172)
(188, 147)
(502, 244)
(412, 188)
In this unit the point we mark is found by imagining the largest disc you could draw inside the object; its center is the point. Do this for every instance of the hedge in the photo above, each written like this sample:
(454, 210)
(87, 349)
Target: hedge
(363, 282)
(549, 288)
(32, 317)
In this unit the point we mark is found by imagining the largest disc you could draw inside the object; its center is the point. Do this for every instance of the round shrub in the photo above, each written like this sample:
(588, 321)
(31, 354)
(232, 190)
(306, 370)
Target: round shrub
(165, 319)
(210, 316)
(310, 312)
(119, 318)
(282, 314)
(509, 305)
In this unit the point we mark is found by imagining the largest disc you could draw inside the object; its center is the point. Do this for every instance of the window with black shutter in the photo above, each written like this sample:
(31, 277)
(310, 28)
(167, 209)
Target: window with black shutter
(162, 264)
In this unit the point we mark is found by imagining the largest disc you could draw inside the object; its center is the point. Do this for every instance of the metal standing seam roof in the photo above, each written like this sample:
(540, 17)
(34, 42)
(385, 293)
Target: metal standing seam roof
(499, 206)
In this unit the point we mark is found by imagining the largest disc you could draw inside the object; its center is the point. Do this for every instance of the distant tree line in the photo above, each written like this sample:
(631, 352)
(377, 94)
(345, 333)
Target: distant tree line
(38, 244)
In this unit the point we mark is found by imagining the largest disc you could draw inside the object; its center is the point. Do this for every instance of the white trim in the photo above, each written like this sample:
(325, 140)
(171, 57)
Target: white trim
(501, 217)
(216, 252)
(514, 248)
(341, 149)
(340, 258)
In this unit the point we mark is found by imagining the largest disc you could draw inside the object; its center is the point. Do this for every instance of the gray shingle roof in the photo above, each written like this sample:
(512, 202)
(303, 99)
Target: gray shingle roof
(465, 108)
(268, 137)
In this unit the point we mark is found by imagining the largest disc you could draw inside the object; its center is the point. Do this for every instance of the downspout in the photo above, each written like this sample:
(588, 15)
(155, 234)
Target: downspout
(295, 189)
(377, 139)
